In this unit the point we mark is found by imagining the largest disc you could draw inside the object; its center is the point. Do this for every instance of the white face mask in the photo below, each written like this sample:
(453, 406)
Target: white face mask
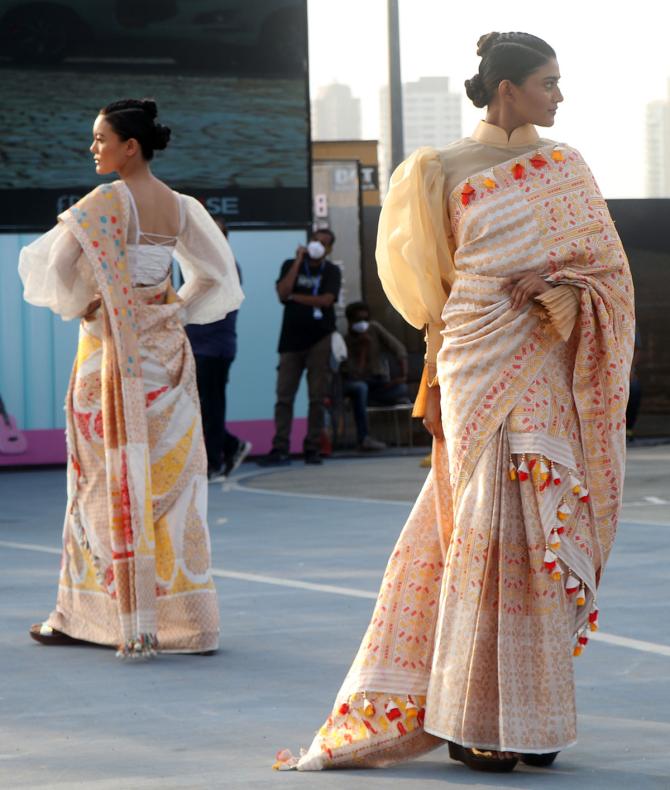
(316, 250)
(361, 326)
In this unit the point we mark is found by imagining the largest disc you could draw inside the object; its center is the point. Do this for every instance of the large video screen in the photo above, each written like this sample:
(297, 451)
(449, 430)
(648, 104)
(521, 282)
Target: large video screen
(229, 77)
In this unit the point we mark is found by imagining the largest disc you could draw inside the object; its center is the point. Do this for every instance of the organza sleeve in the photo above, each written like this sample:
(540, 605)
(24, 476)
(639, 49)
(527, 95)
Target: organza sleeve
(211, 287)
(56, 274)
(414, 258)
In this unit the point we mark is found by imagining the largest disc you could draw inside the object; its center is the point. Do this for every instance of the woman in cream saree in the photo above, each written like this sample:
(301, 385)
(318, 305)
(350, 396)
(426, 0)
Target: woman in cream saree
(135, 568)
(491, 589)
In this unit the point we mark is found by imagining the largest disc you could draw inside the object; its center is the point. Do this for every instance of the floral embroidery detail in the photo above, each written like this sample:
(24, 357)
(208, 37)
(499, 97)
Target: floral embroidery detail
(467, 194)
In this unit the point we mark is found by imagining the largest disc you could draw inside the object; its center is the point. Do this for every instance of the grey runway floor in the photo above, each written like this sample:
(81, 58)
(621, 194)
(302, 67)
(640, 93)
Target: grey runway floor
(299, 554)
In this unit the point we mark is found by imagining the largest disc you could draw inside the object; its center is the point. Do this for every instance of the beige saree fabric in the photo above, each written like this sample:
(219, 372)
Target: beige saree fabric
(136, 560)
(182, 587)
(491, 588)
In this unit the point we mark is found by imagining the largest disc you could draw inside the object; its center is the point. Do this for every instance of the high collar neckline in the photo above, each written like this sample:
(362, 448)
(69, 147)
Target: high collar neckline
(489, 134)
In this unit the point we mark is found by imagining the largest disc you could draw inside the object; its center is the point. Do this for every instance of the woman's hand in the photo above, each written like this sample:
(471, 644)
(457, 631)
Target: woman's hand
(92, 308)
(525, 287)
(432, 420)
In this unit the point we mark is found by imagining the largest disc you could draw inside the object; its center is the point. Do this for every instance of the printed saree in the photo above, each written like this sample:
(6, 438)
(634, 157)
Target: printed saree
(136, 554)
(491, 588)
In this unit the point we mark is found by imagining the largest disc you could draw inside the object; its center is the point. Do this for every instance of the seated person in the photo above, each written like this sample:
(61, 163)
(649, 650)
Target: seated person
(366, 376)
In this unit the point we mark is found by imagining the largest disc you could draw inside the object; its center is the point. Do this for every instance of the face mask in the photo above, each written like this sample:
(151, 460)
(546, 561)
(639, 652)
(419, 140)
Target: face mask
(361, 326)
(316, 250)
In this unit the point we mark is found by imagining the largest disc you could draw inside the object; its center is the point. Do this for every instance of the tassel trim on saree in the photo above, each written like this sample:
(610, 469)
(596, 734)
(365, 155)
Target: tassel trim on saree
(544, 473)
(145, 646)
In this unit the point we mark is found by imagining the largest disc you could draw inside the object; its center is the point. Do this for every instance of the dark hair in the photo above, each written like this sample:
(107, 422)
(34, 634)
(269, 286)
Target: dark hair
(505, 56)
(325, 230)
(136, 119)
(355, 307)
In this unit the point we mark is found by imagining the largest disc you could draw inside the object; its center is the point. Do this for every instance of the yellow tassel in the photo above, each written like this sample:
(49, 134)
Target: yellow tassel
(581, 596)
(554, 540)
(577, 650)
(563, 512)
(556, 155)
(556, 574)
(593, 626)
(544, 470)
(368, 708)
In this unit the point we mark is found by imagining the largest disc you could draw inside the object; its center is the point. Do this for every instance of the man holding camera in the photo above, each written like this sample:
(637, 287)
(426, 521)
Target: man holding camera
(308, 287)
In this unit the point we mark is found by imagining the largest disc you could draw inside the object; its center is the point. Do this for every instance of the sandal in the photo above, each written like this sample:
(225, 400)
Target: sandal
(46, 635)
(479, 761)
(539, 760)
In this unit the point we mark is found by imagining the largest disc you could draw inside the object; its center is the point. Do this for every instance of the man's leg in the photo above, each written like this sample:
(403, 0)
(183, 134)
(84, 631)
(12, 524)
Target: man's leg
(208, 376)
(358, 392)
(230, 442)
(289, 372)
(383, 394)
(318, 386)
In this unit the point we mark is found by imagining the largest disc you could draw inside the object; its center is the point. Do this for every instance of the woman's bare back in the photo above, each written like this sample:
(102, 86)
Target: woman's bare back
(157, 208)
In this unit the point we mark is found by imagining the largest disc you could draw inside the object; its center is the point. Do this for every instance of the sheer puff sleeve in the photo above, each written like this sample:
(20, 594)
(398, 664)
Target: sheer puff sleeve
(414, 241)
(56, 274)
(211, 287)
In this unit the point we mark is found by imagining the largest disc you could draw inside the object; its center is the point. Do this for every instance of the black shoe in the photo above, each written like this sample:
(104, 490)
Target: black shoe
(313, 458)
(275, 458)
(481, 762)
(243, 450)
(539, 760)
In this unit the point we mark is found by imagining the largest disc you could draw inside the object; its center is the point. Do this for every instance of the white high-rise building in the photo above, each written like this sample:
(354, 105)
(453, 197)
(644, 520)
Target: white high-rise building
(336, 114)
(658, 148)
(431, 116)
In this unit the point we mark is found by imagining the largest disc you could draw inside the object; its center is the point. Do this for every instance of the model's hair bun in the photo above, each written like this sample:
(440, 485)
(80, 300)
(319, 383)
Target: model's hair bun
(136, 118)
(476, 91)
(150, 107)
(505, 56)
(161, 136)
(486, 42)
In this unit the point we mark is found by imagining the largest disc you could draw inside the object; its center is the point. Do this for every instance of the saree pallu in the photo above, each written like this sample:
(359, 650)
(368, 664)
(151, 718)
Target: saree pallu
(136, 560)
(490, 590)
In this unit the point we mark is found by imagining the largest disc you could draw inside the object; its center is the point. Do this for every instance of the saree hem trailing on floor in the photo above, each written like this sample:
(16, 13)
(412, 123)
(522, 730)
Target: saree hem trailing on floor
(491, 588)
(136, 559)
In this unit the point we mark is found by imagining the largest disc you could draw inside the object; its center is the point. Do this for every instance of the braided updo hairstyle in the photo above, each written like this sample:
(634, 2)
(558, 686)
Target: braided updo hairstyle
(505, 56)
(136, 118)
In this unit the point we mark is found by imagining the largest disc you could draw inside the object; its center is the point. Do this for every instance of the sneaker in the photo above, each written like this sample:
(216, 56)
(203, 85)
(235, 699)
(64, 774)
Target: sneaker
(275, 458)
(313, 458)
(370, 445)
(243, 450)
(216, 475)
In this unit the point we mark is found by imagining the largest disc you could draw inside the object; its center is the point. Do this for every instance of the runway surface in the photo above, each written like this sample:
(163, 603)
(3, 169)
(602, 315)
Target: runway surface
(299, 553)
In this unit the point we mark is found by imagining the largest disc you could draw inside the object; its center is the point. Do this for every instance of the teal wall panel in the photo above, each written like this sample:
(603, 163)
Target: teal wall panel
(37, 348)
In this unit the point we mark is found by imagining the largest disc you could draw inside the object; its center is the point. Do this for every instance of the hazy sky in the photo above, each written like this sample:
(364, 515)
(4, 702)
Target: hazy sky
(614, 59)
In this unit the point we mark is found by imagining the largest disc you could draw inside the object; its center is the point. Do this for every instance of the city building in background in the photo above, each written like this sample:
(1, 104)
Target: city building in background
(658, 148)
(336, 114)
(431, 116)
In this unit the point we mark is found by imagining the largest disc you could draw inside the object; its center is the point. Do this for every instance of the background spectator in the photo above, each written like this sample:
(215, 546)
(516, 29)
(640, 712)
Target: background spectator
(308, 287)
(215, 347)
(367, 376)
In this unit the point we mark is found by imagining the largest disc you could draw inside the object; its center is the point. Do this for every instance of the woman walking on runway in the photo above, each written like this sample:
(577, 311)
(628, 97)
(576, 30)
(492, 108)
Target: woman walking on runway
(502, 246)
(136, 554)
